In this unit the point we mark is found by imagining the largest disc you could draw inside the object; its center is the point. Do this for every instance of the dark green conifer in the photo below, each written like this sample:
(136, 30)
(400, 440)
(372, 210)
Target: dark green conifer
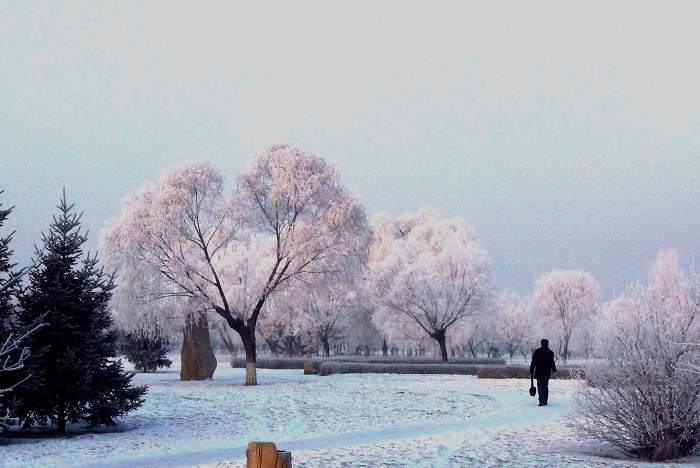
(75, 374)
(147, 351)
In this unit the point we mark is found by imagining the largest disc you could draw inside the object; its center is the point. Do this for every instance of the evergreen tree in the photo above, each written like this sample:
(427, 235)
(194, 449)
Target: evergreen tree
(9, 278)
(13, 352)
(77, 375)
(147, 351)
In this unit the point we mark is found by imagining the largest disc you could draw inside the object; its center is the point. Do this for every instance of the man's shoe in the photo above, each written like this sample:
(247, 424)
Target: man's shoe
(544, 404)
(541, 404)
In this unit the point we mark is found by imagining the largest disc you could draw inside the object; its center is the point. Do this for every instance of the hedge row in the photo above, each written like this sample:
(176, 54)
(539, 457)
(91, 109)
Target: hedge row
(330, 367)
(298, 362)
(403, 360)
(523, 372)
(278, 363)
(483, 368)
(483, 371)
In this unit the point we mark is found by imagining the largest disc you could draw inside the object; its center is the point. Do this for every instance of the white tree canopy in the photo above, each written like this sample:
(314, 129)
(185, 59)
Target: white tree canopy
(428, 270)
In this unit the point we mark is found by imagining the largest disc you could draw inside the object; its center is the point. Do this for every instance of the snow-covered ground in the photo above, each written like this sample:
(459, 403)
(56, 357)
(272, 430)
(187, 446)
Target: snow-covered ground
(343, 420)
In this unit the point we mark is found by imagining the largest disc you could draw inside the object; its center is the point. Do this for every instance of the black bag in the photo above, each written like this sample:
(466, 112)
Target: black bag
(533, 390)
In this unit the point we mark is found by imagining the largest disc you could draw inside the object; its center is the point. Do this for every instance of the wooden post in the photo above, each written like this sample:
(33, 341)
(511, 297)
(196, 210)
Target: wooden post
(266, 455)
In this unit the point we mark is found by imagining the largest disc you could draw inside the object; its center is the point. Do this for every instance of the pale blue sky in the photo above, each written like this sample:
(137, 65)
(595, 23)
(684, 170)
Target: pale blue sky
(568, 135)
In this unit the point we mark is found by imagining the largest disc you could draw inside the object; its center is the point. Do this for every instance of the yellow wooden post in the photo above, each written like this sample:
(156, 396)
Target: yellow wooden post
(266, 455)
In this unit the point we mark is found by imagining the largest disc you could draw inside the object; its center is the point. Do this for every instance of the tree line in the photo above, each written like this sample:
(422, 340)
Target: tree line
(284, 258)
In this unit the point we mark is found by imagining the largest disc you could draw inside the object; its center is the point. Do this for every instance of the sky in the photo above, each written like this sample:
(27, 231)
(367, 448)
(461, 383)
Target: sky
(568, 135)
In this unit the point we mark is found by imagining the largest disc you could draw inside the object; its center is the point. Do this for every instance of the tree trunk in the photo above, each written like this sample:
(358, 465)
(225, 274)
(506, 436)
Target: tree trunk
(274, 347)
(566, 349)
(61, 420)
(441, 338)
(248, 338)
(198, 361)
(326, 348)
(226, 339)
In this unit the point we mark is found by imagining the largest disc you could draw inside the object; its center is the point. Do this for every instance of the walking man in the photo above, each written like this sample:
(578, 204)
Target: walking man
(542, 366)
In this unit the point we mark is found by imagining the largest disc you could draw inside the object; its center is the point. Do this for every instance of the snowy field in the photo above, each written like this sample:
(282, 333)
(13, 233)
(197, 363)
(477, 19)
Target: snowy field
(343, 420)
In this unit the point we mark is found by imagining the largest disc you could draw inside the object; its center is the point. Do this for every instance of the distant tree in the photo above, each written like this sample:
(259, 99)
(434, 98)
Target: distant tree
(584, 340)
(281, 326)
(427, 269)
(566, 297)
(147, 349)
(329, 304)
(513, 322)
(363, 337)
(473, 335)
(75, 374)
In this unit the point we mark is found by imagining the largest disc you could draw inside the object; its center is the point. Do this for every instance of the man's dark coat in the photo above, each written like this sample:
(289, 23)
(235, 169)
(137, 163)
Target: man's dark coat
(542, 364)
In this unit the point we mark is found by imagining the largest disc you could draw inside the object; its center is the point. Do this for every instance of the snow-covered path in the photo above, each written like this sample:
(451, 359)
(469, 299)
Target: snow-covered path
(343, 420)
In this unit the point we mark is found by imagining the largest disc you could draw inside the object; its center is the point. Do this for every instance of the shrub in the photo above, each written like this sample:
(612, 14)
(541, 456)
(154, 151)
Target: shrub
(645, 399)
(147, 352)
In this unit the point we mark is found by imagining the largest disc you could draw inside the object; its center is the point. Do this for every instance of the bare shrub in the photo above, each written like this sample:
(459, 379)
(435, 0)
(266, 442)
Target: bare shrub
(645, 398)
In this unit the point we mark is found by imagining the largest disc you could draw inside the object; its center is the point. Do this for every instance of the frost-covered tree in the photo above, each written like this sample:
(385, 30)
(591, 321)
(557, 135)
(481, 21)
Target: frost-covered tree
(513, 323)
(585, 337)
(474, 335)
(281, 327)
(643, 395)
(363, 337)
(428, 270)
(289, 217)
(566, 297)
(330, 304)
(75, 376)
(667, 278)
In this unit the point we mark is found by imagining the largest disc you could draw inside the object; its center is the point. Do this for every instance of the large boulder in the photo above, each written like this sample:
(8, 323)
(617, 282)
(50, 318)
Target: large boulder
(197, 356)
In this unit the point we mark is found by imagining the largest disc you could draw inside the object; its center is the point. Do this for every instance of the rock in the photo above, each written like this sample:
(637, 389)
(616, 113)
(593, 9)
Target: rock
(197, 356)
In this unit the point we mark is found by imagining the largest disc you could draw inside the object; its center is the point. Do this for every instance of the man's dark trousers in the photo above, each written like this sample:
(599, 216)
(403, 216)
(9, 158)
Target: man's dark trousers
(543, 390)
